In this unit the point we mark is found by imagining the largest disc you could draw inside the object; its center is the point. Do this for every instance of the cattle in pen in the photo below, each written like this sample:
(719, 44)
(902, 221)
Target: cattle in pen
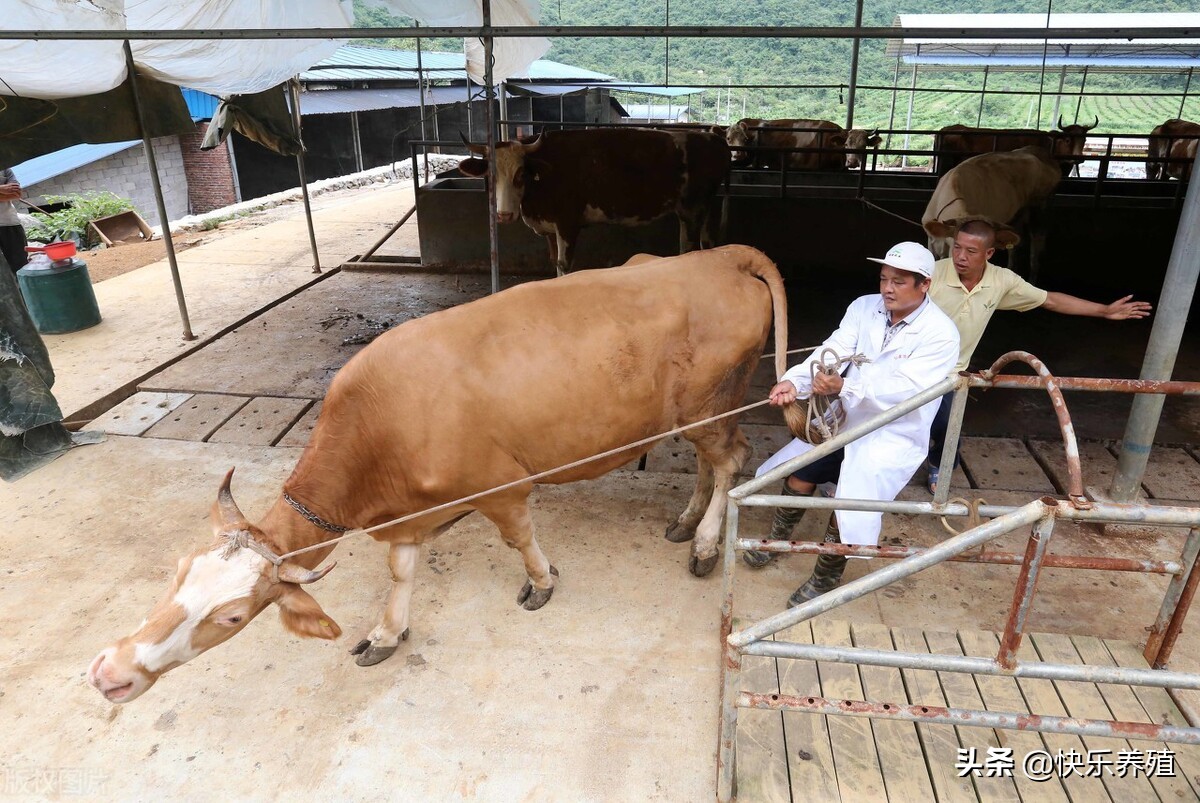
(1171, 149)
(801, 144)
(956, 143)
(1005, 187)
(560, 181)
(467, 400)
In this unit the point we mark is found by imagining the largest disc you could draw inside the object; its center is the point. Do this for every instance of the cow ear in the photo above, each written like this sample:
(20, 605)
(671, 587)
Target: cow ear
(875, 141)
(937, 228)
(473, 167)
(302, 615)
(1007, 238)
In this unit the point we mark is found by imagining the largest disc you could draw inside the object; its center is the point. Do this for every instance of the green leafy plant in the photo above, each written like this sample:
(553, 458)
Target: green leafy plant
(71, 222)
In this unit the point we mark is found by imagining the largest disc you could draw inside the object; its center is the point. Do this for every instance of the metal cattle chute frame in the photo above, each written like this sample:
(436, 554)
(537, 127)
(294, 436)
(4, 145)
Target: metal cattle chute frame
(1040, 514)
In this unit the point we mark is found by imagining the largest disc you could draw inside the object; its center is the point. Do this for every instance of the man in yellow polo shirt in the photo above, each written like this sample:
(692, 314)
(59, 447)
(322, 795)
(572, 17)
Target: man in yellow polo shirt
(969, 289)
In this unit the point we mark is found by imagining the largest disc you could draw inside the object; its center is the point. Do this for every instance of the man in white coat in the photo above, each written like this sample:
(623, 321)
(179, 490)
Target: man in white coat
(909, 345)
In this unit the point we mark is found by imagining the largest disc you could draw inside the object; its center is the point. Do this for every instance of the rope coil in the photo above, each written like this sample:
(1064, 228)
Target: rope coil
(819, 418)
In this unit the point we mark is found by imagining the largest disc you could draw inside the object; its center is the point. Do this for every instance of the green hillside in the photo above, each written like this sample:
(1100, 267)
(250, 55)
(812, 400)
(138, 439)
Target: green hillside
(771, 62)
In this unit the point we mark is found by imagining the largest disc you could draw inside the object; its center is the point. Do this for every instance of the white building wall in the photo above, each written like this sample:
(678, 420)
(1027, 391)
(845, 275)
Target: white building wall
(127, 174)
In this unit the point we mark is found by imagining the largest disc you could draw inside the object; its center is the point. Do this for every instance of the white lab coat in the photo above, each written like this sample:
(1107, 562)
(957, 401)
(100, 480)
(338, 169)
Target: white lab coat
(878, 465)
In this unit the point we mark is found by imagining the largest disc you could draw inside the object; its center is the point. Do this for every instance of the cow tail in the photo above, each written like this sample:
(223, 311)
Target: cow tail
(761, 267)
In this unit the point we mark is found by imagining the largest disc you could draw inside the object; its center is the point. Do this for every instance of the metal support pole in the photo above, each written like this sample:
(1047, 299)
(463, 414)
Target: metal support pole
(1175, 627)
(294, 85)
(489, 95)
(1022, 604)
(421, 106)
(1062, 79)
(1187, 85)
(958, 411)
(730, 664)
(1079, 102)
(1174, 303)
(858, 10)
(158, 196)
(1191, 548)
(356, 138)
(982, 95)
(892, 107)
(505, 129)
(912, 91)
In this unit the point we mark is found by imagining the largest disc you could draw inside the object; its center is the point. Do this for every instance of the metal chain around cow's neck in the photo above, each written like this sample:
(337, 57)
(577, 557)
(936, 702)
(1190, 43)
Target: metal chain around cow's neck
(365, 530)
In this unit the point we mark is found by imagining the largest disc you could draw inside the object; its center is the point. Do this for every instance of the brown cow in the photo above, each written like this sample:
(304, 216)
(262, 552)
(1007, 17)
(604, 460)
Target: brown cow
(563, 180)
(468, 399)
(956, 143)
(772, 138)
(1162, 146)
(1001, 187)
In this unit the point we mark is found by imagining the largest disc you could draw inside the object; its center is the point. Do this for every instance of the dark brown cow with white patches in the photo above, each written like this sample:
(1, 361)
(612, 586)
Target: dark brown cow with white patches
(1163, 145)
(469, 399)
(562, 180)
(956, 143)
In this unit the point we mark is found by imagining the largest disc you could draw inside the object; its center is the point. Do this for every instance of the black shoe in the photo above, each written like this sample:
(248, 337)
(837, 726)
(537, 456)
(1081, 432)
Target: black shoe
(756, 559)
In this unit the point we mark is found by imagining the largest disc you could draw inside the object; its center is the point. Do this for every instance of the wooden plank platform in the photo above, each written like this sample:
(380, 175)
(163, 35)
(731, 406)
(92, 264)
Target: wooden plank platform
(198, 417)
(1004, 463)
(262, 422)
(797, 756)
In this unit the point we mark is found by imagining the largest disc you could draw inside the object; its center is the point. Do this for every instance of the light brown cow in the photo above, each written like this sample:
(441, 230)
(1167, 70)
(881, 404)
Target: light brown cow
(1001, 187)
(1162, 145)
(956, 143)
(845, 148)
(465, 400)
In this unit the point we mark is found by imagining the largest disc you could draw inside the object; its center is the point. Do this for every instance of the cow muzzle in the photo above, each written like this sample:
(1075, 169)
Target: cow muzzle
(118, 684)
(505, 217)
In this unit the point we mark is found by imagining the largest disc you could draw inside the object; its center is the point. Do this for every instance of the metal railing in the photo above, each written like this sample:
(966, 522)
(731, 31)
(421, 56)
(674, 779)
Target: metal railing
(1040, 514)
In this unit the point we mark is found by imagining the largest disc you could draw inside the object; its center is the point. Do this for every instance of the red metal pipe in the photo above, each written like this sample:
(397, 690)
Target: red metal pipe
(1000, 558)
(1075, 491)
(1018, 614)
(1089, 384)
(1181, 611)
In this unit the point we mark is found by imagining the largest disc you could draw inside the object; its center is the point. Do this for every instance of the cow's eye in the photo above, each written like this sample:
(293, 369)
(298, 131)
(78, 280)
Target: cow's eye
(230, 621)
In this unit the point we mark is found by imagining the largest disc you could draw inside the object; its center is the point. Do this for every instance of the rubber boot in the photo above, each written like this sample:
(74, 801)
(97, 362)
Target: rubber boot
(786, 519)
(827, 574)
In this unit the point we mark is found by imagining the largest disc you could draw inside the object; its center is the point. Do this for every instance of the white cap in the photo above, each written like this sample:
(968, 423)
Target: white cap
(909, 256)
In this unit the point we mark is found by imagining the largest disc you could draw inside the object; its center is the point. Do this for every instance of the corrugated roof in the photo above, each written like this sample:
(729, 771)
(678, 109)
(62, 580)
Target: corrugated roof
(1169, 54)
(340, 101)
(357, 63)
(42, 168)
(201, 105)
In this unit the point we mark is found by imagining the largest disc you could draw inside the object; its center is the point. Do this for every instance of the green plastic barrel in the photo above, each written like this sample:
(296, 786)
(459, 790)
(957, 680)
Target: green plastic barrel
(60, 298)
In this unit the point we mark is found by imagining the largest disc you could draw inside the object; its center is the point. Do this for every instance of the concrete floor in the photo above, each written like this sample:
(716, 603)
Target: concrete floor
(608, 693)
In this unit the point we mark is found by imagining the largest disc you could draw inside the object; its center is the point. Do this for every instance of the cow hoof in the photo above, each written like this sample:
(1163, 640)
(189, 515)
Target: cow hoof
(370, 654)
(702, 566)
(532, 598)
(677, 533)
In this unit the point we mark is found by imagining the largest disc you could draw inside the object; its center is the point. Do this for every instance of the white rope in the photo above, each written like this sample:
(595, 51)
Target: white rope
(522, 481)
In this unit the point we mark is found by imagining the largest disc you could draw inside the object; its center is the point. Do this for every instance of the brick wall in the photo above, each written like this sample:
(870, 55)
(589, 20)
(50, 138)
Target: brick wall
(126, 174)
(210, 179)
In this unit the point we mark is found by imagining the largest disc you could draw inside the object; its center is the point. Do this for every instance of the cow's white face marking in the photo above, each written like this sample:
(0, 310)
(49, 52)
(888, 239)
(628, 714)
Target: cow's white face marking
(211, 581)
(510, 180)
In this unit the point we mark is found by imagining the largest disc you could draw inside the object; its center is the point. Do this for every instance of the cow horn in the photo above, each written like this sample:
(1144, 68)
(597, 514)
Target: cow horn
(231, 516)
(874, 133)
(533, 146)
(478, 150)
(291, 573)
(1060, 123)
(1093, 125)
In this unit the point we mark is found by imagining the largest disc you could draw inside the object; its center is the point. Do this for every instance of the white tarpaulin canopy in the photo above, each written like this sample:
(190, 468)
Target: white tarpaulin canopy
(72, 68)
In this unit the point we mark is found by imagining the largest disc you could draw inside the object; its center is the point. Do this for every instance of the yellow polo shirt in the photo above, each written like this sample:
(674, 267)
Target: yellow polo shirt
(1000, 288)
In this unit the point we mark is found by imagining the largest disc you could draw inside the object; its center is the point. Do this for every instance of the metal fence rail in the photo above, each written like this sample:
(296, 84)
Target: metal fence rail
(1040, 514)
